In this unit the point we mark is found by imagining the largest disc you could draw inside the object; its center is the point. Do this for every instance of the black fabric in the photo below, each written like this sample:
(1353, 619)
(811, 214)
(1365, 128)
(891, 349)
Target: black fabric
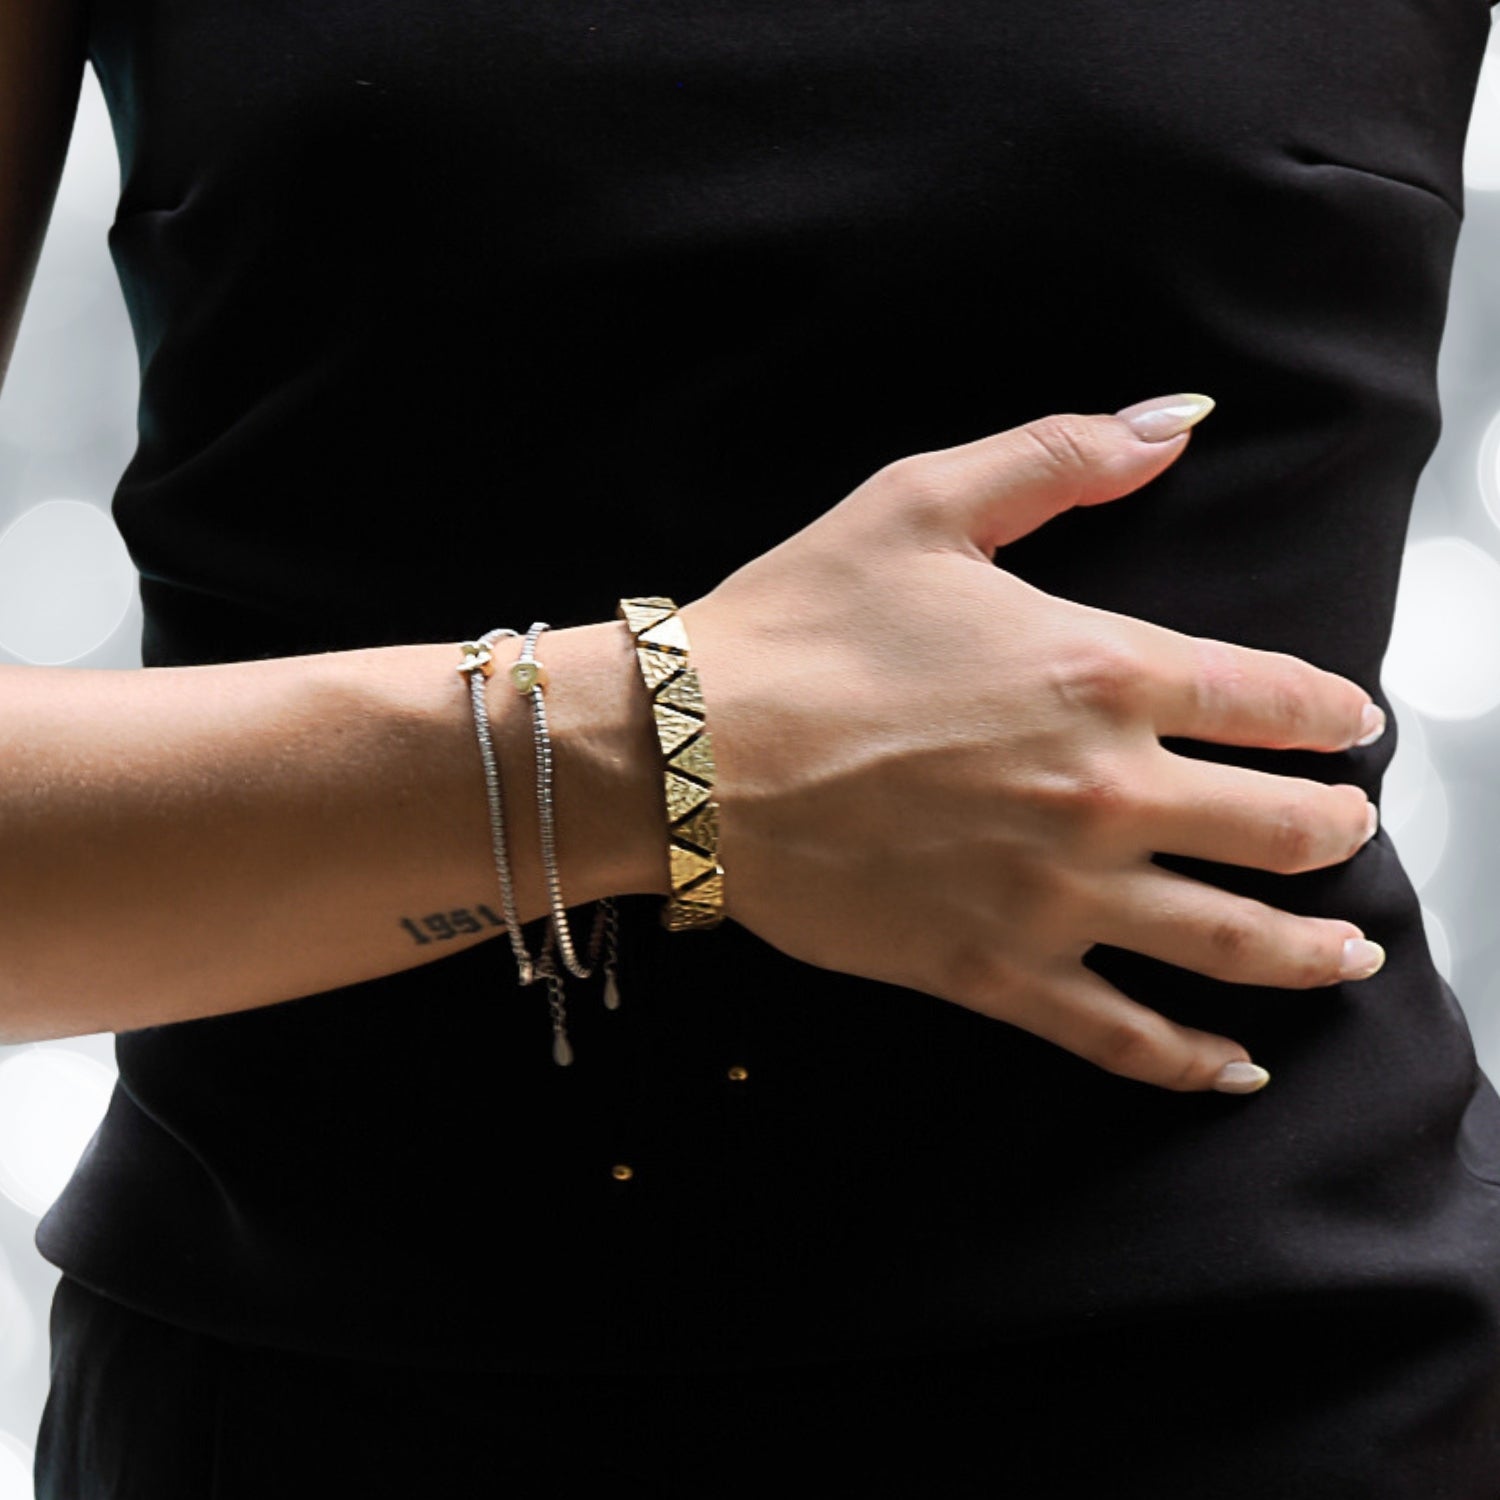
(142, 1410)
(650, 285)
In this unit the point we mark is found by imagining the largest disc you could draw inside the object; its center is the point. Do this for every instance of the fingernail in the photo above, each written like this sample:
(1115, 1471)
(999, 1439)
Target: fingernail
(1361, 958)
(1372, 822)
(1164, 417)
(1241, 1078)
(1373, 724)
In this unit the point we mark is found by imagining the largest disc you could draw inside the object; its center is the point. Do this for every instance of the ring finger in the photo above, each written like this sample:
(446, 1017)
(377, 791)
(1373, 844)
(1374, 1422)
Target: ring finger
(1182, 921)
(1239, 816)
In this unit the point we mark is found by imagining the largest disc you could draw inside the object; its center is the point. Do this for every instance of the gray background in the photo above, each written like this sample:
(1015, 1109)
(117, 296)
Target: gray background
(68, 596)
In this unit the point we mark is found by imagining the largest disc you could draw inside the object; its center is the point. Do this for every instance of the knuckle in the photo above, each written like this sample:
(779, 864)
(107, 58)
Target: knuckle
(1048, 902)
(1129, 1045)
(1292, 703)
(1305, 959)
(1110, 677)
(1316, 963)
(919, 484)
(1084, 801)
(1357, 809)
(1189, 1074)
(1220, 675)
(974, 972)
(1292, 839)
(1231, 939)
(903, 472)
(1065, 439)
(1100, 793)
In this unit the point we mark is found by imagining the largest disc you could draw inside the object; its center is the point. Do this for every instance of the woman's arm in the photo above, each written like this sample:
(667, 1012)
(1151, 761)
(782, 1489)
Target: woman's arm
(185, 841)
(181, 842)
(929, 772)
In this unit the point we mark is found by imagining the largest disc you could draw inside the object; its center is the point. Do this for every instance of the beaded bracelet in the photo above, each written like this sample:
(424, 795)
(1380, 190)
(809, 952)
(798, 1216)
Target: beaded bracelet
(528, 676)
(479, 666)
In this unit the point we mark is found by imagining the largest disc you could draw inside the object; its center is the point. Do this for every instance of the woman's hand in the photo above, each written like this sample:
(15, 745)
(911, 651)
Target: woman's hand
(932, 774)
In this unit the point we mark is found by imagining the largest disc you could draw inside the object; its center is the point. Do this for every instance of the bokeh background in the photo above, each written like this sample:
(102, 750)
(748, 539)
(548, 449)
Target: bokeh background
(68, 596)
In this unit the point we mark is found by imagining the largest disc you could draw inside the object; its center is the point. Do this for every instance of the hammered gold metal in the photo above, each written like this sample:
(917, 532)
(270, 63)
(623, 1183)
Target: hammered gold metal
(688, 865)
(683, 796)
(688, 771)
(696, 758)
(687, 915)
(668, 633)
(684, 692)
(701, 828)
(642, 614)
(674, 728)
(701, 907)
(657, 666)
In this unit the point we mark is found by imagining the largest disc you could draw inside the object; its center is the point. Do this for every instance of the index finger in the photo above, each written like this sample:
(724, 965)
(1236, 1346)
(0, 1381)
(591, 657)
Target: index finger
(1238, 695)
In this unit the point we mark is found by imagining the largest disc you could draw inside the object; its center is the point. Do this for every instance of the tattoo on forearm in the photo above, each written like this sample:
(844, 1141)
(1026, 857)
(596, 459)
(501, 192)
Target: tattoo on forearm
(439, 926)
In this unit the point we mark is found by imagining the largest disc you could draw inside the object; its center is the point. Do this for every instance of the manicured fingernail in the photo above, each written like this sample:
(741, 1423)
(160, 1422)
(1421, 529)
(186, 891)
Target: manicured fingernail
(1241, 1078)
(1163, 417)
(1372, 724)
(1361, 958)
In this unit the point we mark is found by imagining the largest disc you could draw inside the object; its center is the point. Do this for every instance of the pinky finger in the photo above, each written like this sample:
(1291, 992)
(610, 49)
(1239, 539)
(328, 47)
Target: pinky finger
(1089, 1017)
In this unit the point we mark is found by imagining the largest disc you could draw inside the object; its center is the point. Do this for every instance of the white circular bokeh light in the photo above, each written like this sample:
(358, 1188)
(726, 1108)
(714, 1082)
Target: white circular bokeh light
(1444, 656)
(1438, 942)
(90, 182)
(1422, 839)
(17, 1468)
(1489, 468)
(1406, 775)
(1482, 146)
(16, 1331)
(66, 582)
(51, 1102)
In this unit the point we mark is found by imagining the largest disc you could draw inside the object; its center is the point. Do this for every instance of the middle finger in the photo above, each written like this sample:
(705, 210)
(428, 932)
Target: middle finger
(1235, 815)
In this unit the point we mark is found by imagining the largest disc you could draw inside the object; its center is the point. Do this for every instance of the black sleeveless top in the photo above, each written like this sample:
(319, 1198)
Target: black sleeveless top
(410, 281)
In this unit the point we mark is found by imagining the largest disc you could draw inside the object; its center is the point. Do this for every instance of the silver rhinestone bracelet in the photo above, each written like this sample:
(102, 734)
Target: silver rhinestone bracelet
(479, 665)
(528, 676)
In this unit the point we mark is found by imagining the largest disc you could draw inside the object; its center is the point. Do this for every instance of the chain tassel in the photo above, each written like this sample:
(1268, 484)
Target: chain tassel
(605, 937)
(607, 927)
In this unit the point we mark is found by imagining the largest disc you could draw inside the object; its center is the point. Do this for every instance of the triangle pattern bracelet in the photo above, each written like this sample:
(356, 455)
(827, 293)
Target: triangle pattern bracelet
(688, 771)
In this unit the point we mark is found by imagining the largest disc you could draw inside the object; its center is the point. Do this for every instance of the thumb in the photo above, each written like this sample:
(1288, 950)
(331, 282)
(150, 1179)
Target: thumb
(1013, 481)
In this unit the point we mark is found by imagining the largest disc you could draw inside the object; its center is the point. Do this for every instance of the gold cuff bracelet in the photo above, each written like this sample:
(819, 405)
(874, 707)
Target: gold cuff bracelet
(661, 648)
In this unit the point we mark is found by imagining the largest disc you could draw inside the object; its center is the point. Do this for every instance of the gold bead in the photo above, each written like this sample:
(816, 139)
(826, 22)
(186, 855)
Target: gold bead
(738, 1074)
(476, 656)
(622, 1173)
(525, 675)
